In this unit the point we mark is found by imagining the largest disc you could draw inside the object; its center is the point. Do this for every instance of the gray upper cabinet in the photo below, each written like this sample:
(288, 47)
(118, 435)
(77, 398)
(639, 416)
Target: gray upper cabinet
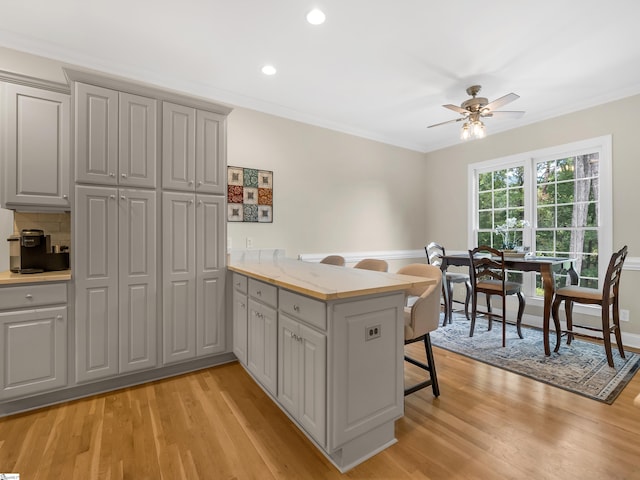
(36, 147)
(116, 136)
(193, 149)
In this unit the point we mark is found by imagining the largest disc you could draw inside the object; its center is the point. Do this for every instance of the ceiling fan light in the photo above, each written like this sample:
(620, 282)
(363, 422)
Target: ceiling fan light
(478, 129)
(466, 132)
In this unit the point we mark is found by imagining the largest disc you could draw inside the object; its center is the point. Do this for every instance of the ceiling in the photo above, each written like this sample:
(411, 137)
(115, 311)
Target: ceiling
(380, 69)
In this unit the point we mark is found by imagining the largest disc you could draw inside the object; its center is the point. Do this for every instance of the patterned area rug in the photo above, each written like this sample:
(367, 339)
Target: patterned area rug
(579, 368)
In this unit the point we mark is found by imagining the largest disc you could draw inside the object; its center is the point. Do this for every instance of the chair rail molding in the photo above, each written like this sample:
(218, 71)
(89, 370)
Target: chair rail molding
(353, 257)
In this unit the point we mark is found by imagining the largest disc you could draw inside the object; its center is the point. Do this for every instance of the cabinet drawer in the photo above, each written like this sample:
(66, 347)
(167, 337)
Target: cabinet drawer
(264, 292)
(240, 282)
(26, 296)
(313, 312)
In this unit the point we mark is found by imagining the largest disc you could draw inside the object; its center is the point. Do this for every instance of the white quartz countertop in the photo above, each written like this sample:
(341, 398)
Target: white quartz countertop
(325, 282)
(9, 278)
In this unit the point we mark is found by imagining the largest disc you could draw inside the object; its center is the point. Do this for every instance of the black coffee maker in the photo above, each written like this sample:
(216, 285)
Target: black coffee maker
(30, 252)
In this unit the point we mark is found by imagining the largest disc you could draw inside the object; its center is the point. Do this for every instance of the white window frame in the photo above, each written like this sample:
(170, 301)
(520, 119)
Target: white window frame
(528, 160)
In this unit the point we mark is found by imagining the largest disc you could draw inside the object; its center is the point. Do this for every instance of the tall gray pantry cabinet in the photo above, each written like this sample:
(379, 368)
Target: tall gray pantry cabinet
(149, 228)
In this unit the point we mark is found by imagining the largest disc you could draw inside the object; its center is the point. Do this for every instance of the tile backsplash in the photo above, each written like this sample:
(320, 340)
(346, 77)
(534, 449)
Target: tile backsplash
(58, 225)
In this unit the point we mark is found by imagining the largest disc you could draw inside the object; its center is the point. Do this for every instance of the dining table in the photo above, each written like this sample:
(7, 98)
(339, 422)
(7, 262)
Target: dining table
(546, 266)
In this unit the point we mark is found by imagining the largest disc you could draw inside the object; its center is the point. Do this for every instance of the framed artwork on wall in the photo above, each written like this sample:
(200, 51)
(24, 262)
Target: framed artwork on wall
(249, 195)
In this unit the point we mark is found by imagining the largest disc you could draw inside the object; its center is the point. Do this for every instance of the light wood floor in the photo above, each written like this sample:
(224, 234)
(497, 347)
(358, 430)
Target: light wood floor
(217, 424)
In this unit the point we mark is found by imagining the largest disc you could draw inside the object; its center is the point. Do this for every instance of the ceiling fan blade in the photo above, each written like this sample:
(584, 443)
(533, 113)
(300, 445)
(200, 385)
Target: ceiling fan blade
(456, 109)
(501, 101)
(503, 114)
(448, 121)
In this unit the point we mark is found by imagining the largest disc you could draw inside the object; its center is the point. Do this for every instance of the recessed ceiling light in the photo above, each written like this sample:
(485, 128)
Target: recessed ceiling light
(316, 17)
(269, 70)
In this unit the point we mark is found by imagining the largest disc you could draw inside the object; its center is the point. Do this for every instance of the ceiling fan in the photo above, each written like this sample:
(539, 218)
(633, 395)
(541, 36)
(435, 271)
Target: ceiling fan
(476, 108)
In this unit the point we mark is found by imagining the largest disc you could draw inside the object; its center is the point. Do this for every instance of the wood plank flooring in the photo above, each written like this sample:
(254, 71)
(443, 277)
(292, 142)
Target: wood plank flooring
(218, 424)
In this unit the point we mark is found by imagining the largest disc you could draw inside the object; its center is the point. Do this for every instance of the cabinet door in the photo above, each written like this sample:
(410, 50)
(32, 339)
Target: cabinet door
(240, 311)
(179, 289)
(33, 358)
(210, 275)
(96, 275)
(96, 155)
(137, 142)
(210, 153)
(37, 147)
(288, 364)
(262, 358)
(302, 375)
(137, 279)
(312, 363)
(178, 147)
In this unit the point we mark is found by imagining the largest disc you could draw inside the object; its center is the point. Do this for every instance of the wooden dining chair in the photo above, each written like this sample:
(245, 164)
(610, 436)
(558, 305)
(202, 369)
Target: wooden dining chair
(422, 317)
(435, 252)
(373, 264)
(333, 260)
(608, 299)
(488, 276)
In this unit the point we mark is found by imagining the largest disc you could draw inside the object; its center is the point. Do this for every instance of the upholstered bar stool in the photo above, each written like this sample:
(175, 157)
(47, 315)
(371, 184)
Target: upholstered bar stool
(421, 318)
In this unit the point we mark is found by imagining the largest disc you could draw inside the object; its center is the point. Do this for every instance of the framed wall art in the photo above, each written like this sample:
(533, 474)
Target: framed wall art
(249, 195)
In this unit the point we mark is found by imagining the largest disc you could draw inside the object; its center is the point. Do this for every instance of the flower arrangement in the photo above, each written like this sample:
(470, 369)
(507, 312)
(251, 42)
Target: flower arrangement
(503, 230)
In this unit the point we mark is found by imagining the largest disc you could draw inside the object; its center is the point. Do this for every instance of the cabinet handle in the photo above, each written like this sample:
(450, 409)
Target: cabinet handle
(122, 197)
(296, 308)
(190, 182)
(59, 317)
(123, 175)
(111, 174)
(259, 293)
(112, 197)
(28, 296)
(65, 196)
(199, 184)
(242, 305)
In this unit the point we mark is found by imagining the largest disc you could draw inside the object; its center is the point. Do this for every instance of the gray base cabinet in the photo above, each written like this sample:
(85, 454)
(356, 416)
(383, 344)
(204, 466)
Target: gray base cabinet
(240, 317)
(33, 340)
(312, 356)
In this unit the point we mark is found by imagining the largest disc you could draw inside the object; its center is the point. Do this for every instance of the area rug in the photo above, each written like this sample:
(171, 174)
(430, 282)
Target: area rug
(580, 368)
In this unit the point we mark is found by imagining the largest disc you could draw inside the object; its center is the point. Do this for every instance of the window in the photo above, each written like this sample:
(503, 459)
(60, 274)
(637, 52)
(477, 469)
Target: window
(557, 201)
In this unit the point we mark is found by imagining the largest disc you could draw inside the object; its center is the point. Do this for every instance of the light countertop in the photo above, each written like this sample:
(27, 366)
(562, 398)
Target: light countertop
(9, 278)
(326, 282)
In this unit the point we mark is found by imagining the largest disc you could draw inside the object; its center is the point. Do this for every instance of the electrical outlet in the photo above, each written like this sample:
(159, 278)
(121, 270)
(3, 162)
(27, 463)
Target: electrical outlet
(624, 315)
(249, 242)
(372, 332)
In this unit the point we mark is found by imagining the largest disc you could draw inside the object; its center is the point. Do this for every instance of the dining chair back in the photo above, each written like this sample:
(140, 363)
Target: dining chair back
(609, 300)
(333, 260)
(489, 277)
(435, 252)
(375, 264)
(421, 318)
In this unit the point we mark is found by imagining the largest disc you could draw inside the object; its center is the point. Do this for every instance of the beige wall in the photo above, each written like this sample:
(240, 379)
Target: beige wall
(616, 118)
(332, 192)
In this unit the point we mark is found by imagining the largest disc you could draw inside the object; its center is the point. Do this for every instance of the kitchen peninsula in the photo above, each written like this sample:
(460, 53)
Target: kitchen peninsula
(326, 343)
